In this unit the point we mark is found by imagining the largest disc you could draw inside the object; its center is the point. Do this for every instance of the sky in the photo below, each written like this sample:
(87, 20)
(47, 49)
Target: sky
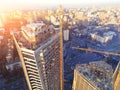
(31, 4)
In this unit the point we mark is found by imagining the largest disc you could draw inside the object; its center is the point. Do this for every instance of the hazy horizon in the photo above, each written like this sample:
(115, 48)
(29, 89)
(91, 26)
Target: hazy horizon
(7, 5)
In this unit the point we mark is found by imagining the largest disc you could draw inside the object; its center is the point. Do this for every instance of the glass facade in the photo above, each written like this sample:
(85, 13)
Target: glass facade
(42, 64)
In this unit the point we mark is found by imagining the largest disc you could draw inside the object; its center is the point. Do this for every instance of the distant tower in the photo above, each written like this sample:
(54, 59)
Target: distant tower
(93, 76)
(39, 51)
(66, 35)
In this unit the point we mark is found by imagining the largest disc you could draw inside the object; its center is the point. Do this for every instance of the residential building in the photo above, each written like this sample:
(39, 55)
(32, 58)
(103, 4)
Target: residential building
(107, 36)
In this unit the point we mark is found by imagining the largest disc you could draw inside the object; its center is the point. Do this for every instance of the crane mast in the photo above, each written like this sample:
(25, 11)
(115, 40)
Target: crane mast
(61, 49)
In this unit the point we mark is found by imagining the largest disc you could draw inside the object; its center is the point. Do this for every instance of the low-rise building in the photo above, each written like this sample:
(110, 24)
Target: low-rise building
(104, 38)
(12, 66)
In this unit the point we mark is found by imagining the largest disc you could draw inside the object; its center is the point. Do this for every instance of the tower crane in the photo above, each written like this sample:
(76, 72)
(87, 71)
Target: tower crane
(116, 74)
(97, 51)
(61, 48)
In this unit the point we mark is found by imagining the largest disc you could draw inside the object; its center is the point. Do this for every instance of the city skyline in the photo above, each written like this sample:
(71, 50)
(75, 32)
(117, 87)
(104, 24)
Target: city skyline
(6, 5)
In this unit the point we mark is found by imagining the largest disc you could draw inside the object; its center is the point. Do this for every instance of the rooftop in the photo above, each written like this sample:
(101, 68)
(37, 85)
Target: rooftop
(99, 73)
(105, 34)
(34, 34)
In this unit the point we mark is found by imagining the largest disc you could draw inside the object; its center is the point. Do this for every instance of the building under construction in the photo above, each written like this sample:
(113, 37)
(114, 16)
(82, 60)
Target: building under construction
(38, 46)
(116, 78)
(93, 76)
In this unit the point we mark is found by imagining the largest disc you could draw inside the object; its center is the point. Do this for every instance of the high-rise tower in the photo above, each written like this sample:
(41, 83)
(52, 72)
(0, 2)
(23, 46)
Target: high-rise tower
(38, 46)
